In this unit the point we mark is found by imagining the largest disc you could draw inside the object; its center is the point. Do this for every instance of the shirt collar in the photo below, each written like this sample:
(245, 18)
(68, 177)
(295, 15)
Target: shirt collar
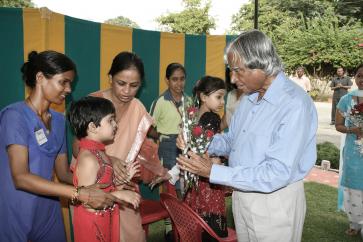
(341, 78)
(168, 97)
(273, 92)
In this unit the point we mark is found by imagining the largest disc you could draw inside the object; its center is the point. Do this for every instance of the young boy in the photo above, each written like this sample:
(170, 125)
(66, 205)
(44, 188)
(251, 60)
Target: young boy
(92, 120)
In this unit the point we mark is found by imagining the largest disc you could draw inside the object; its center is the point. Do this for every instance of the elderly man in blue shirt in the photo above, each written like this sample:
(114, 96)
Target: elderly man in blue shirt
(271, 145)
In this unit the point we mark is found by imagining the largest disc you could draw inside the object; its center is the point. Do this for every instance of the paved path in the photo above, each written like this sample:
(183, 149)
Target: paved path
(325, 177)
(326, 132)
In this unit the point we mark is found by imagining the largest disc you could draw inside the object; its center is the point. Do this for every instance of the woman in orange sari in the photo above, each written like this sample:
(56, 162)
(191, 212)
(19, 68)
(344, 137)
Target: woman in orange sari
(130, 143)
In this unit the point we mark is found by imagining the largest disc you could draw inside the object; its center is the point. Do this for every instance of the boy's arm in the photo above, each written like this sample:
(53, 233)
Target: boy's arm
(87, 169)
(128, 196)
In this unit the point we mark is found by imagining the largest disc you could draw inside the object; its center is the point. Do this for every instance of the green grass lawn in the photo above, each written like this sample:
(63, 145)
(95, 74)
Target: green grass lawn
(322, 223)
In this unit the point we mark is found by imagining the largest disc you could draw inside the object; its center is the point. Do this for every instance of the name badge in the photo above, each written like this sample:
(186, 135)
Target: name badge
(40, 136)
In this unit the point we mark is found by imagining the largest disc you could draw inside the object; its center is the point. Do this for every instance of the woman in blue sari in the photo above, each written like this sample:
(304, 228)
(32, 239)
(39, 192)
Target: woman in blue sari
(352, 171)
(32, 146)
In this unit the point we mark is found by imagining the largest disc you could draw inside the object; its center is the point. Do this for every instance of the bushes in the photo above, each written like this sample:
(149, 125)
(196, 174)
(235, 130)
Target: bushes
(316, 95)
(328, 151)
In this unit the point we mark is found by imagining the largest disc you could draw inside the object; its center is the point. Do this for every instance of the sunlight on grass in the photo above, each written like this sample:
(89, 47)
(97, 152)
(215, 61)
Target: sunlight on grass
(323, 222)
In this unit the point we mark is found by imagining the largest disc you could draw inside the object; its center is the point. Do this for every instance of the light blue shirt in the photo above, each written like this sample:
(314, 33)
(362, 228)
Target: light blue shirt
(271, 143)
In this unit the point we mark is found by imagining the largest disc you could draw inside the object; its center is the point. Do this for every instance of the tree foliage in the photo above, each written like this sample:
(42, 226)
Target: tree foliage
(194, 19)
(350, 8)
(122, 21)
(16, 3)
(270, 19)
(323, 47)
(318, 34)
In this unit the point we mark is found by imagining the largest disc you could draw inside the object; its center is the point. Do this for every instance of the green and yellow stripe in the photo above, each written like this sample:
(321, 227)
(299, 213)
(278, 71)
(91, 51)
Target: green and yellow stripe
(92, 46)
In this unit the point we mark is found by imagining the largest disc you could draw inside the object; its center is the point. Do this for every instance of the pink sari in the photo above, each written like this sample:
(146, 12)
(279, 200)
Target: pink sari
(131, 144)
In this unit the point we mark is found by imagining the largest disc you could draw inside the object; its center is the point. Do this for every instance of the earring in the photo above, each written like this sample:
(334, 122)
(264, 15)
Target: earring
(196, 102)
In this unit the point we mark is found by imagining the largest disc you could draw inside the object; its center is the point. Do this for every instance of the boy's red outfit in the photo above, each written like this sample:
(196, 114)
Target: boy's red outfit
(102, 225)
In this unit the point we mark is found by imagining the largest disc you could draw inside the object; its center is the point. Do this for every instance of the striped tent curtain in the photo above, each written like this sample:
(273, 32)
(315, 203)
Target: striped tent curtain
(92, 47)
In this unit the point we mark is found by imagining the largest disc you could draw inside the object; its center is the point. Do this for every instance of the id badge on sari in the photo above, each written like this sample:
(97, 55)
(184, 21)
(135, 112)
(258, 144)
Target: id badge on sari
(40, 136)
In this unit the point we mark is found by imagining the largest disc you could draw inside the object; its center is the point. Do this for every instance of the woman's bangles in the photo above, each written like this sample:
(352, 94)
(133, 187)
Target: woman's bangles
(75, 197)
(75, 200)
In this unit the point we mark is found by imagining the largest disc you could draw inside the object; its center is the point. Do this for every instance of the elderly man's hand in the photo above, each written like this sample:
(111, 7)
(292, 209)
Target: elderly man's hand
(196, 164)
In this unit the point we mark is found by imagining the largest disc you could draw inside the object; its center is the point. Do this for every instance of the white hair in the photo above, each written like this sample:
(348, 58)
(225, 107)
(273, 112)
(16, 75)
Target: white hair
(256, 51)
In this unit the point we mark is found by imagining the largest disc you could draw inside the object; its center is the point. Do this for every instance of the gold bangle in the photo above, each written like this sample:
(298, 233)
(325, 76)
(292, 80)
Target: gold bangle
(75, 196)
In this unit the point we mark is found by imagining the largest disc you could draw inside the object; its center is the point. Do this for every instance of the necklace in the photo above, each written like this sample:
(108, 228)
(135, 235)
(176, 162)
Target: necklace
(36, 110)
(40, 115)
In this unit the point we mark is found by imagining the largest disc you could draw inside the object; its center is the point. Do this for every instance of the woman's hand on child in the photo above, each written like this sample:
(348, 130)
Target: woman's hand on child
(128, 196)
(133, 170)
(120, 171)
(96, 198)
(159, 179)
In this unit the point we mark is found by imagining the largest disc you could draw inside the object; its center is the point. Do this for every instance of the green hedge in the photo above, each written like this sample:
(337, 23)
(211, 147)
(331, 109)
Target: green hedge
(328, 151)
